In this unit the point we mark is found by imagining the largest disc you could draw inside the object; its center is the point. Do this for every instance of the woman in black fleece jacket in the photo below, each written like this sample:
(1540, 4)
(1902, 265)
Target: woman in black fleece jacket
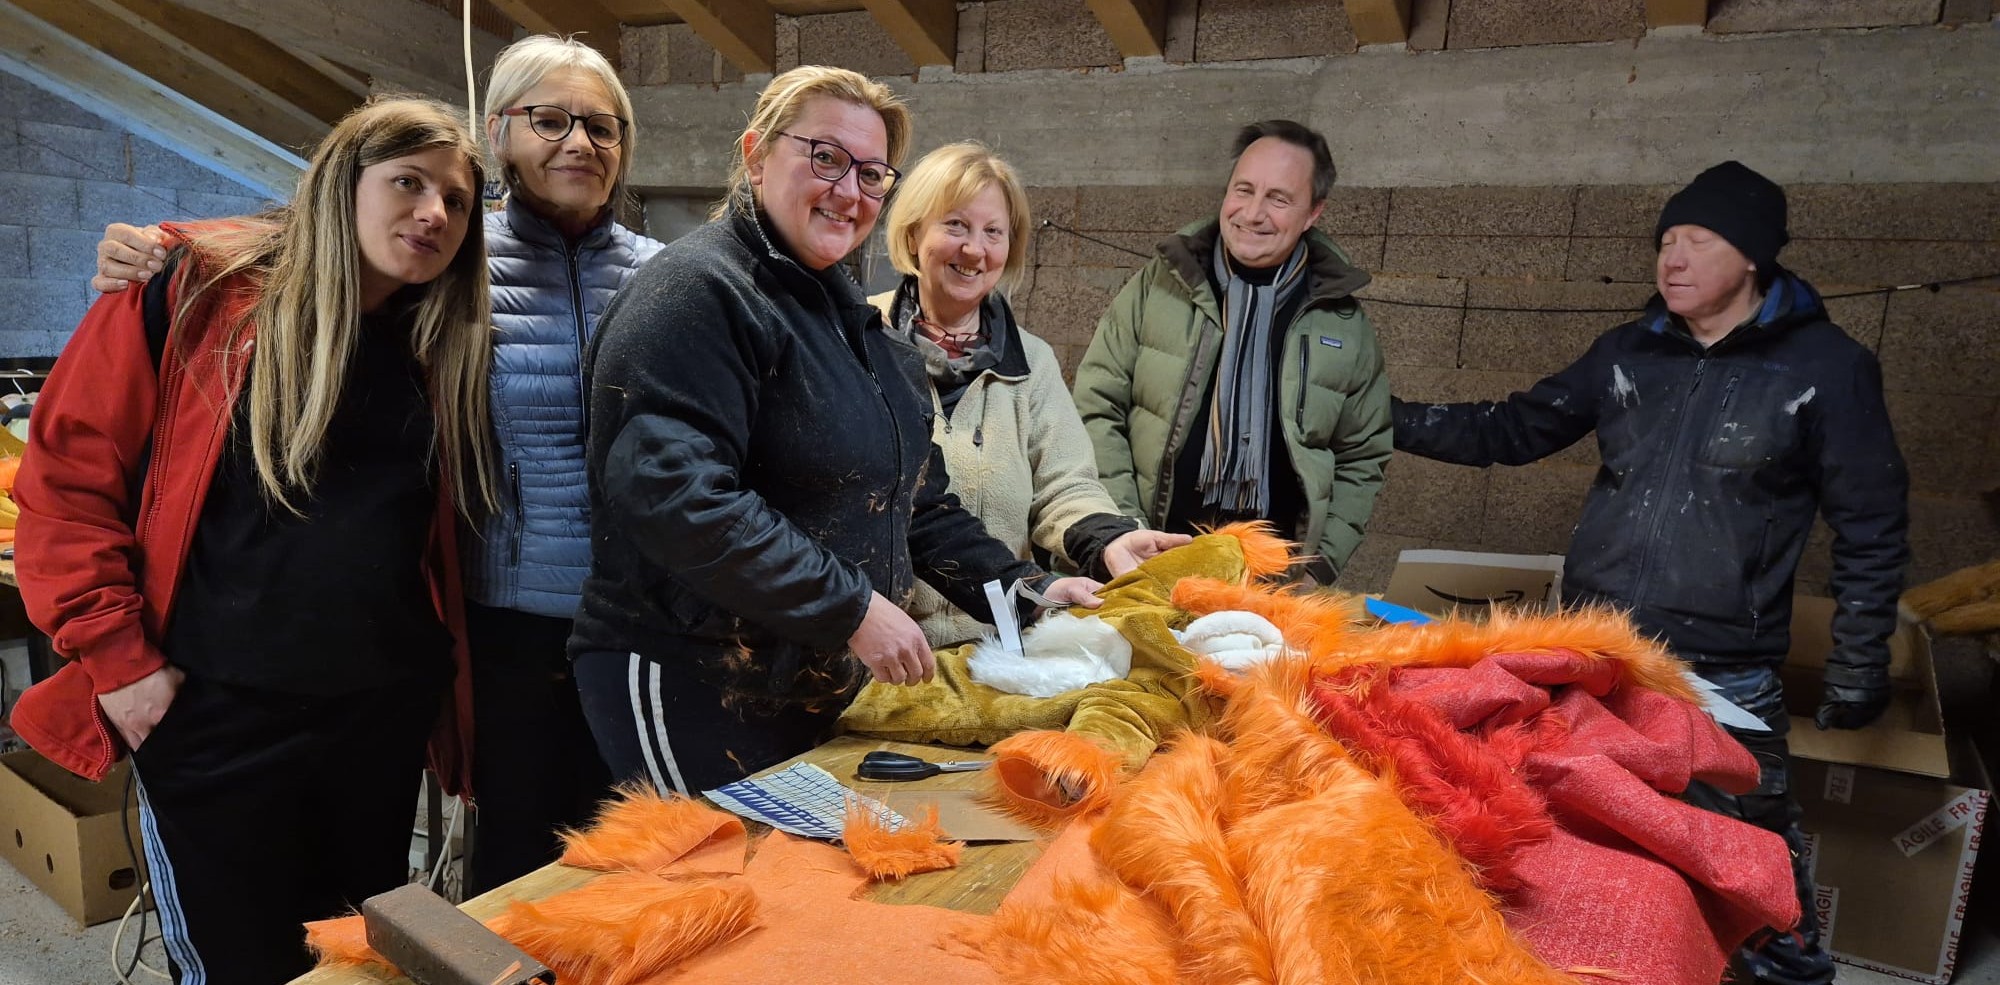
(763, 487)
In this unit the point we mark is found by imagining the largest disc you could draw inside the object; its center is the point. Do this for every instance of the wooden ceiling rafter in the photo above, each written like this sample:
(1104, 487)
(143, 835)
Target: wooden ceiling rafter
(927, 30)
(1380, 21)
(595, 25)
(1671, 13)
(231, 50)
(744, 31)
(1138, 28)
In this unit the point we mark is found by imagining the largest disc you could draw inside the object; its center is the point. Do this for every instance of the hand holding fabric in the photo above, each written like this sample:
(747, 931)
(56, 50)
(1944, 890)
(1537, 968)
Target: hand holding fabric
(1130, 550)
(135, 708)
(889, 643)
(1851, 707)
(1075, 591)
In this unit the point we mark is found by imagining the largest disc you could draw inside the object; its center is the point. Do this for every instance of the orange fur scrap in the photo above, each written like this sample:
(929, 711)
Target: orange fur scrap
(627, 927)
(1265, 554)
(640, 831)
(1091, 931)
(1045, 778)
(918, 846)
(342, 942)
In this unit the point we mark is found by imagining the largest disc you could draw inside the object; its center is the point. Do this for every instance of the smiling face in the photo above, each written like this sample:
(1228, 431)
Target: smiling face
(410, 218)
(567, 181)
(818, 221)
(963, 253)
(1700, 274)
(1268, 205)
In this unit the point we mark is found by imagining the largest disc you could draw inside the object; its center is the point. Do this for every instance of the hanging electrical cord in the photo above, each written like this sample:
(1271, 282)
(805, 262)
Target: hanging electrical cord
(471, 98)
(1932, 286)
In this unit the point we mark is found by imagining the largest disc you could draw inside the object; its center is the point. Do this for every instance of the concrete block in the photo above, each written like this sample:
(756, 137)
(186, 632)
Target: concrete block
(1236, 30)
(1966, 12)
(1430, 500)
(206, 205)
(35, 305)
(62, 254)
(1354, 212)
(1481, 211)
(1364, 252)
(1608, 259)
(1369, 567)
(74, 152)
(1948, 533)
(643, 55)
(1424, 384)
(1533, 509)
(1537, 257)
(1416, 336)
(1888, 262)
(1942, 343)
(1621, 210)
(1733, 16)
(101, 203)
(1541, 342)
(1113, 249)
(853, 40)
(1023, 34)
(1049, 245)
(1063, 304)
(1500, 23)
(1430, 21)
(1183, 20)
(157, 166)
(10, 146)
(38, 199)
(24, 344)
(1158, 209)
(1946, 440)
(25, 100)
(1860, 315)
(971, 39)
(1960, 211)
(784, 44)
(13, 247)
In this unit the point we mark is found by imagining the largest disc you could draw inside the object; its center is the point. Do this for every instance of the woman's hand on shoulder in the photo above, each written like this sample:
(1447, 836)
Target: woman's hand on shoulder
(135, 708)
(128, 255)
(891, 646)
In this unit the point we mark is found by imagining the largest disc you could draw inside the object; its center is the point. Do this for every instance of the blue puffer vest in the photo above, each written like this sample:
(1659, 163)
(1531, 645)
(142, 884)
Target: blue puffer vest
(533, 553)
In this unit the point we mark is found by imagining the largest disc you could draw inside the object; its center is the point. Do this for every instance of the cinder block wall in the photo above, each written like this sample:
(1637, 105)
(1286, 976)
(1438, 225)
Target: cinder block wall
(1589, 247)
(64, 174)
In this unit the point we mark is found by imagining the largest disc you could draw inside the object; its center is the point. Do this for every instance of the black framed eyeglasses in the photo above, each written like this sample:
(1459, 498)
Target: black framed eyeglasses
(553, 123)
(831, 162)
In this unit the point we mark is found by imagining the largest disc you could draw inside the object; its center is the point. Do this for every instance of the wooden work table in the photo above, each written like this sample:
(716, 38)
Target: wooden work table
(984, 875)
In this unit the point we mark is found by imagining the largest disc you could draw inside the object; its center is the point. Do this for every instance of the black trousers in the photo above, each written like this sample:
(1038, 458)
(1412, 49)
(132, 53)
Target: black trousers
(535, 767)
(1786, 958)
(658, 724)
(263, 810)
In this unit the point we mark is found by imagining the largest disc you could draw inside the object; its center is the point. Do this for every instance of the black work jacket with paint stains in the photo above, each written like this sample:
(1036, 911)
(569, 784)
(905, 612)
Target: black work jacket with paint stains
(1714, 463)
(759, 463)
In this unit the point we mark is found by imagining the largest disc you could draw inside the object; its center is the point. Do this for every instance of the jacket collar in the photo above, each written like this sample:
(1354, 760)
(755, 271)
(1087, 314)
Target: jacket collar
(995, 315)
(747, 222)
(1330, 276)
(1788, 303)
(532, 228)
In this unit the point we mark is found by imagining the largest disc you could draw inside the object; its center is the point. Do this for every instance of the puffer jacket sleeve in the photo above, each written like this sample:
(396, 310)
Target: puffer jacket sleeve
(92, 424)
(1063, 466)
(675, 384)
(1362, 443)
(1864, 495)
(1550, 416)
(1103, 393)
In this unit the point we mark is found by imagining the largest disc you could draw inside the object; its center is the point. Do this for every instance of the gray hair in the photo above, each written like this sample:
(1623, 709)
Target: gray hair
(524, 64)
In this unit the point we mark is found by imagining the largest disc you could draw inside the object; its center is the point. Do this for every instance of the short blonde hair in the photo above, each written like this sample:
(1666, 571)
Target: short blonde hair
(524, 64)
(784, 100)
(944, 180)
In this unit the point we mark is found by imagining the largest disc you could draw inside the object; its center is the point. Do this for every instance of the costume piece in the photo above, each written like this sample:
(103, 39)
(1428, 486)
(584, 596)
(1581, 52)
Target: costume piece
(1963, 603)
(639, 831)
(1130, 717)
(627, 927)
(1141, 388)
(918, 846)
(1063, 652)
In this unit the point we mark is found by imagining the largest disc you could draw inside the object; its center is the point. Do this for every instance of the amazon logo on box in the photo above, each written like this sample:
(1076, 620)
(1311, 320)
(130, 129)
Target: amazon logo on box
(1438, 582)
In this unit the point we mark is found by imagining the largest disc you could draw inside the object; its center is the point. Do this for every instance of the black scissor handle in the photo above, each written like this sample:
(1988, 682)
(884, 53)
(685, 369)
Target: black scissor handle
(884, 765)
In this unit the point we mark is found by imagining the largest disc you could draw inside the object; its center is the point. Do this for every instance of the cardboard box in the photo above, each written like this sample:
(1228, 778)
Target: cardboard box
(1892, 827)
(67, 835)
(1439, 581)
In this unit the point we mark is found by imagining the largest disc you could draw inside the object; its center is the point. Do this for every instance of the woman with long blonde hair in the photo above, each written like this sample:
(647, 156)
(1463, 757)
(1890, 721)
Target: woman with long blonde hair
(237, 522)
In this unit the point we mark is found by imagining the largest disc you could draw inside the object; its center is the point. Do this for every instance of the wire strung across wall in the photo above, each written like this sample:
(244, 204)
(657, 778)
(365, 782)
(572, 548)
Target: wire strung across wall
(1932, 286)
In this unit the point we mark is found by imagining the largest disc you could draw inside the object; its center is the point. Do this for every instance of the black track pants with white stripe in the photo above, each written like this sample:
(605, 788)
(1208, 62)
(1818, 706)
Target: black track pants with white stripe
(262, 810)
(655, 722)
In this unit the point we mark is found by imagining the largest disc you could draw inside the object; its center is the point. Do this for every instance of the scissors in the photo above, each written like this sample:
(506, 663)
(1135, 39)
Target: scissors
(884, 765)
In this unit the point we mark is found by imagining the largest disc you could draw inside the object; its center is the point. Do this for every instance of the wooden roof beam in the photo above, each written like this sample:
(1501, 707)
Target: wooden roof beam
(1137, 27)
(231, 50)
(1379, 21)
(744, 31)
(926, 29)
(399, 43)
(1668, 13)
(599, 27)
(105, 85)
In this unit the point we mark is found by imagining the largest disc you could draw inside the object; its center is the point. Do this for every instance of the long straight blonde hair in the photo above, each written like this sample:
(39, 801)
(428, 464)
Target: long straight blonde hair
(303, 260)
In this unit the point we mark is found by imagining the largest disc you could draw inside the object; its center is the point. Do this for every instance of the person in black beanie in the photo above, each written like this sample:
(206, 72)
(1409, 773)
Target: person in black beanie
(1727, 414)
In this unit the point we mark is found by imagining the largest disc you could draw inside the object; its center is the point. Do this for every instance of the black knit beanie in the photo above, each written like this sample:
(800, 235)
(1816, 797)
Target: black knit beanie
(1736, 203)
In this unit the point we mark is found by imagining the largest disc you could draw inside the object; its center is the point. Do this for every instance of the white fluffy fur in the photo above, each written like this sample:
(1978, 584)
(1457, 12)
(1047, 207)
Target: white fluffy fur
(1236, 640)
(1061, 653)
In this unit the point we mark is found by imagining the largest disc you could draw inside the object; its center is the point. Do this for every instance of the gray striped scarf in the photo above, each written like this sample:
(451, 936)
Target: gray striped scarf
(1235, 462)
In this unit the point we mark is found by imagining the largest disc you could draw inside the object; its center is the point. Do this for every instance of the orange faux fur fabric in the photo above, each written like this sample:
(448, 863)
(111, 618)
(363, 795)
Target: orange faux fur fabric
(640, 831)
(918, 846)
(627, 927)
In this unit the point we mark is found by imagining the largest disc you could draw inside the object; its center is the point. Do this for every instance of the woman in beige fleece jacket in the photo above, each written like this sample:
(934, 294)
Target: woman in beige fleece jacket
(1016, 450)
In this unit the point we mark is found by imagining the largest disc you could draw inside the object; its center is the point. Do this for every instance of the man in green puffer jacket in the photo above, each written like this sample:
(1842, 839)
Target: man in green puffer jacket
(1235, 376)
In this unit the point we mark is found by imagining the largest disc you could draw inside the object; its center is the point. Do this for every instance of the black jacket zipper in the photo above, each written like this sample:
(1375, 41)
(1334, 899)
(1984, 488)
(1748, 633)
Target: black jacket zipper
(520, 513)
